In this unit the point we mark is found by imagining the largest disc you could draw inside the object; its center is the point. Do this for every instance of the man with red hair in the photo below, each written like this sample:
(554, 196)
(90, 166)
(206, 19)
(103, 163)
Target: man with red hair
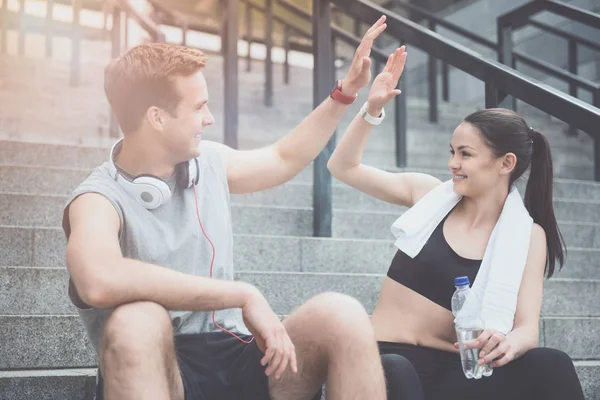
(150, 250)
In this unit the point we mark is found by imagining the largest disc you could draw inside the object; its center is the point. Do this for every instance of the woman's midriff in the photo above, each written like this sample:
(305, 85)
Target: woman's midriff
(404, 316)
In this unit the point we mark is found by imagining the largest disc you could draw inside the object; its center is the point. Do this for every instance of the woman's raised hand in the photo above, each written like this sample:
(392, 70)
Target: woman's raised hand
(384, 85)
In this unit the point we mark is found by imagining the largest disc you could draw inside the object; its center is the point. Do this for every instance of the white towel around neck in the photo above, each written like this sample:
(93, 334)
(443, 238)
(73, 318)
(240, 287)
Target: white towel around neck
(499, 277)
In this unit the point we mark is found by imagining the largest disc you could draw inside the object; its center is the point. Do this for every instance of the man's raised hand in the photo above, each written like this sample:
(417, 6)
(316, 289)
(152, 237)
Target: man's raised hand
(359, 74)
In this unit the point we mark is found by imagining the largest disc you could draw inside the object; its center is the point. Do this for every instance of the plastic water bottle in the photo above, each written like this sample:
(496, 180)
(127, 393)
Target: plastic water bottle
(468, 327)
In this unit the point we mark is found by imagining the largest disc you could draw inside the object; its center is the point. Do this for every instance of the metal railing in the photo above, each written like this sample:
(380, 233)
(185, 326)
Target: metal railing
(122, 11)
(49, 27)
(570, 77)
(521, 17)
(497, 77)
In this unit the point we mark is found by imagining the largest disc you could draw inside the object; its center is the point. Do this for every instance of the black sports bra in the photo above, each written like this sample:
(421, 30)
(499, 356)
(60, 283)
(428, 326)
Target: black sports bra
(431, 273)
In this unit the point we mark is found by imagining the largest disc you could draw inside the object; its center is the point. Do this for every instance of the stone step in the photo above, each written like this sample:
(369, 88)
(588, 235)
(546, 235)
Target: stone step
(43, 291)
(43, 247)
(78, 384)
(65, 343)
(53, 384)
(297, 193)
(46, 211)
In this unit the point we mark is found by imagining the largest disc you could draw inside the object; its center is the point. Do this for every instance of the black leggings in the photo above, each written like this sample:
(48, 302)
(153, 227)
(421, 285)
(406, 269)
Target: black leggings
(418, 373)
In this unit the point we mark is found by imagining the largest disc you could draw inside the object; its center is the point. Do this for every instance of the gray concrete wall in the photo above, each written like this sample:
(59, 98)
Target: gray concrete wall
(480, 18)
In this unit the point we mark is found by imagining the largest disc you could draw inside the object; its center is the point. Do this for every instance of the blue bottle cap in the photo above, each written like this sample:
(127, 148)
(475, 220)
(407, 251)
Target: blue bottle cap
(461, 281)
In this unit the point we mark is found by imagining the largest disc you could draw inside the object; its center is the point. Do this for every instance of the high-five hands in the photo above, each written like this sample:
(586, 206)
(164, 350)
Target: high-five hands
(359, 74)
(384, 85)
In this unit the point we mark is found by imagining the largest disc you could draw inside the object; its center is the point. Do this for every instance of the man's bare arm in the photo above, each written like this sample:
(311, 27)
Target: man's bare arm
(106, 279)
(259, 169)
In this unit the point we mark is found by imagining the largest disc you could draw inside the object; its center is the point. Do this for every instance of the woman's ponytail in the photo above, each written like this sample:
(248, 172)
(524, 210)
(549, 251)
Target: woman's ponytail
(538, 199)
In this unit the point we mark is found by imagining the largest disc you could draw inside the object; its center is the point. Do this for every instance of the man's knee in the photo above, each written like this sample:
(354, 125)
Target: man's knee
(136, 328)
(338, 312)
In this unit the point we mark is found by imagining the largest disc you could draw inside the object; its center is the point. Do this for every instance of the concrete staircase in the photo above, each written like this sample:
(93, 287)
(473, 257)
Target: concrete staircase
(46, 150)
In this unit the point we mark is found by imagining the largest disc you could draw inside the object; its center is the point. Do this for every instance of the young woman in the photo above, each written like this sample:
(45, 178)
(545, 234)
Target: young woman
(413, 322)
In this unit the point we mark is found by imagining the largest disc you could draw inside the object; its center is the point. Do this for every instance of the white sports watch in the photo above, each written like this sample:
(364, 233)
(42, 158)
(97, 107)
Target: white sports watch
(369, 118)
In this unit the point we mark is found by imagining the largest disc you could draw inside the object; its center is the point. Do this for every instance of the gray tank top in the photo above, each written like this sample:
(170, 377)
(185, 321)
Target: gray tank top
(170, 236)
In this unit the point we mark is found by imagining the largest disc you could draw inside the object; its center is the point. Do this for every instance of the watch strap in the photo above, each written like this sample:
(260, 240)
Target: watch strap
(337, 94)
(369, 118)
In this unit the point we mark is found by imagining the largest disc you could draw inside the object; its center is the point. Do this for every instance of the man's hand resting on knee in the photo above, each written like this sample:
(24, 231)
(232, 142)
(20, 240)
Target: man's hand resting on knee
(270, 335)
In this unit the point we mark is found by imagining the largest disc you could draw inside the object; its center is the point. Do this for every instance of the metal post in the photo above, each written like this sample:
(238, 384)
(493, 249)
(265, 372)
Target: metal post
(323, 81)
(505, 56)
(21, 27)
(572, 85)
(400, 121)
(514, 99)
(115, 51)
(573, 66)
(231, 75)
(432, 77)
(3, 23)
(491, 95)
(249, 36)
(596, 102)
(49, 26)
(333, 55)
(445, 82)
(76, 44)
(184, 30)
(286, 48)
(269, 47)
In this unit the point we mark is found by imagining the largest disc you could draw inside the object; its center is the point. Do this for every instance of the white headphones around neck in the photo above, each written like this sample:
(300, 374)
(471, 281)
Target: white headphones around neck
(151, 191)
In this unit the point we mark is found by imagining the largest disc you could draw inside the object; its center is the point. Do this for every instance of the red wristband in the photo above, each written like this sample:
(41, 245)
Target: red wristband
(337, 94)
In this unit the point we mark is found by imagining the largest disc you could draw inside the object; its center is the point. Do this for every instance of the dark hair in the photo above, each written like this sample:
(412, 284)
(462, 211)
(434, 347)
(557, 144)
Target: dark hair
(507, 132)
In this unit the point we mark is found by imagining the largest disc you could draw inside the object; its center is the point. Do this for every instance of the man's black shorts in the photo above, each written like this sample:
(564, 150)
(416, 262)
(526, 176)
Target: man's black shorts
(218, 366)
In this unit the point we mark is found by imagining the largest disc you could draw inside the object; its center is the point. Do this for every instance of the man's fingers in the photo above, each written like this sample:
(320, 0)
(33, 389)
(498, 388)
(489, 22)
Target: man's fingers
(373, 35)
(285, 360)
(377, 24)
(366, 63)
(293, 360)
(270, 351)
(367, 41)
(268, 355)
(277, 356)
